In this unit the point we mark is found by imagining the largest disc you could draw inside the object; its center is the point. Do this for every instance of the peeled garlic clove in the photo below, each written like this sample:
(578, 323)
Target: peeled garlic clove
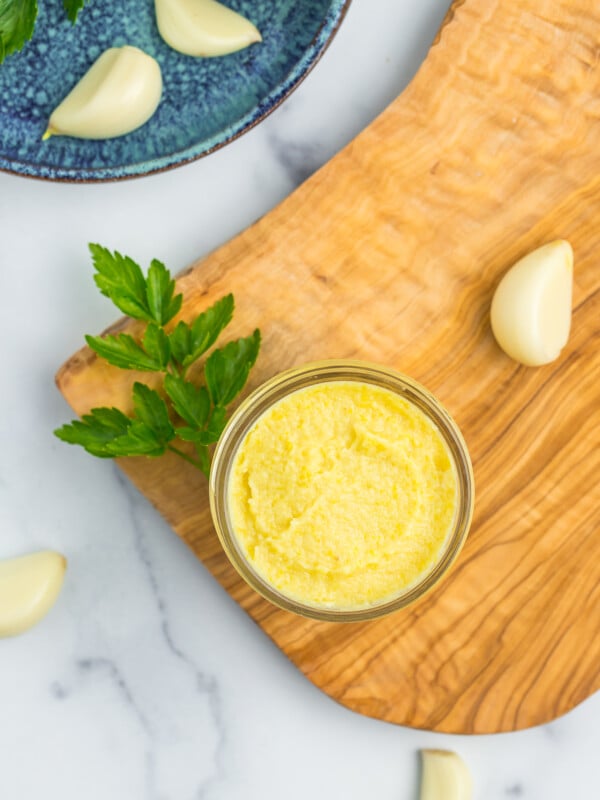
(119, 92)
(203, 27)
(445, 776)
(531, 308)
(28, 588)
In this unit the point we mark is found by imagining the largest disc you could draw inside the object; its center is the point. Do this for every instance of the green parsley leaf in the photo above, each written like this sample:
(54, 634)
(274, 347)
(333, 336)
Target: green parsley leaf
(121, 279)
(209, 325)
(226, 369)
(191, 403)
(140, 440)
(152, 410)
(160, 288)
(156, 344)
(180, 340)
(96, 430)
(215, 426)
(210, 434)
(188, 434)
(73, 7)
(124, 352)
(189, 342)
(108, 432)
(17, 21)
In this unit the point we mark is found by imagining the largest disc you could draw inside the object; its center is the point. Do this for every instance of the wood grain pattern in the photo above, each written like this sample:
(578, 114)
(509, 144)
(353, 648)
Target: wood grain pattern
(391, 253)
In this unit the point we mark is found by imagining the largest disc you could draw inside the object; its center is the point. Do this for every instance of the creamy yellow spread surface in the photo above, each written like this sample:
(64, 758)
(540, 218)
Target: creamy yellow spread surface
(342, 495)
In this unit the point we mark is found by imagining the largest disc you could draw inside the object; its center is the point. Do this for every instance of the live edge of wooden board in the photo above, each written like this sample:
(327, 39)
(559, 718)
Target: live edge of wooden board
(390, 253)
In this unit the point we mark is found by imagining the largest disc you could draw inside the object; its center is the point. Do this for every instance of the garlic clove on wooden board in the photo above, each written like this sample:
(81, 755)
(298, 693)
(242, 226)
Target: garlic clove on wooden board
(203, 28)
(29, 586)
(531, 307)
(119, 93)
(445, 776)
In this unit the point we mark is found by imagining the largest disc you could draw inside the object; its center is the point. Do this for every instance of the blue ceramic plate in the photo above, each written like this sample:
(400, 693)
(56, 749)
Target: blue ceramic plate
(206, 102)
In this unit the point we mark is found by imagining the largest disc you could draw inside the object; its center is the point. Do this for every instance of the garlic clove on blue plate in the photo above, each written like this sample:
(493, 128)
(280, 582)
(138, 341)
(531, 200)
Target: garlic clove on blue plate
(203, 27)
(119, 93)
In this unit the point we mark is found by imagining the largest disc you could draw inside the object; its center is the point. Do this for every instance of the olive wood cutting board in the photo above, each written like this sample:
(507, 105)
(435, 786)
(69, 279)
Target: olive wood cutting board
(390, 253)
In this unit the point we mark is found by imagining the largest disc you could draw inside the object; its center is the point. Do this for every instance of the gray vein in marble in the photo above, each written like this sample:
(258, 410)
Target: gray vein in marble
(552, 730)
(207, 685)
(59, 691)
(299, 159)
(108, 667)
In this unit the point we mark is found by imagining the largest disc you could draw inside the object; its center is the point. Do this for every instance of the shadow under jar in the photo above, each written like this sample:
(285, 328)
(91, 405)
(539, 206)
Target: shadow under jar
(341, 490)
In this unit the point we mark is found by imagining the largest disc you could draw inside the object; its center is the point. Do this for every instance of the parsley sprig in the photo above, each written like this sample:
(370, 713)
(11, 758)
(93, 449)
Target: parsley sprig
(182, 411)
(17, 21)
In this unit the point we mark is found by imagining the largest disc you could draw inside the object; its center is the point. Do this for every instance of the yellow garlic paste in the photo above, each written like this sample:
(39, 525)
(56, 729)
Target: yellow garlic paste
(342, 495)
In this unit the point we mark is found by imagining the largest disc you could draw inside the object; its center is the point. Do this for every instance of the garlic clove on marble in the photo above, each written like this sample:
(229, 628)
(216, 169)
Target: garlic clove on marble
(531, 307)
(203, 28)
(445, 776)
(119, 93)
(29, 586)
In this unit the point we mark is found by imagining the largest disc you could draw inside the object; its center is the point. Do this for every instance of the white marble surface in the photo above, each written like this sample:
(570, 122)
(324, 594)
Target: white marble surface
(146, 682)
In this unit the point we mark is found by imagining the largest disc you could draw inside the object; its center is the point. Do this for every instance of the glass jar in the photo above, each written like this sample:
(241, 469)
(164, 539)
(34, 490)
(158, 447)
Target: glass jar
(345, 371)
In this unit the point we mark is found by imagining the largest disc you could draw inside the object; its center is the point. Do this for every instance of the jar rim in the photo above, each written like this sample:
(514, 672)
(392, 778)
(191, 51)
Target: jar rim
(327, 371)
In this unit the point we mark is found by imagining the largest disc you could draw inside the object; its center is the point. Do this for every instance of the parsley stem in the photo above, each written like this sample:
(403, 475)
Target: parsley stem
(185, 456)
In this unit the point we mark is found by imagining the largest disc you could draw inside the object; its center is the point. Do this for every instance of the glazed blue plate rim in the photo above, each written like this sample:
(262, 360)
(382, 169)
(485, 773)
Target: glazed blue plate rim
(331, 23)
